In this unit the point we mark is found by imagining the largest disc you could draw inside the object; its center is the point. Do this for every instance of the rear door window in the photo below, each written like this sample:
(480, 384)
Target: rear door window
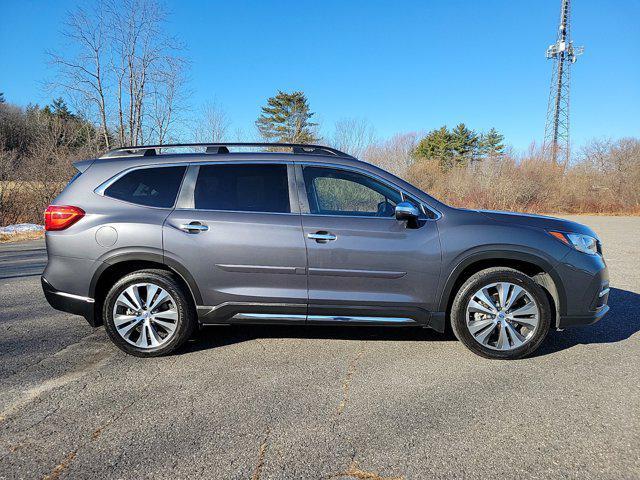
(152, 187)
(243, 188)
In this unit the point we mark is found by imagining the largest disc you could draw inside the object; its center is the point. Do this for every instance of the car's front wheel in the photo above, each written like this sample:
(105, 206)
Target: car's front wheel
(501, 313)
(147, 313)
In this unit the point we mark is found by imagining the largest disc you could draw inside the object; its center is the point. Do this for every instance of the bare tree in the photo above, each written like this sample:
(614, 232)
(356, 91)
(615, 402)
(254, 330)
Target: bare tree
(213, 123)
(169, 99)
(240, 135)
(83, 73)
(125, 67)
(145, 67)
(353, 136)
(394, 154)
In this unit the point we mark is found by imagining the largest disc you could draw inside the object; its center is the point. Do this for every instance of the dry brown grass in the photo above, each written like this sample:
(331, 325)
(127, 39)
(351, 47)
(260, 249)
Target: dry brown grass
(592, 186)
(21, 237)
(24, 201)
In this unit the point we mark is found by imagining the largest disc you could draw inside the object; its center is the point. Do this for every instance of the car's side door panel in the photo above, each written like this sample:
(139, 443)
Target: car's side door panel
(365, 267)
(375, 266)
(244, 262)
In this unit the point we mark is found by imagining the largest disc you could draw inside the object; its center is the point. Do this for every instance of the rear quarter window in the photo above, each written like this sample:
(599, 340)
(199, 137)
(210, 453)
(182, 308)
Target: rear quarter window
(151, 187)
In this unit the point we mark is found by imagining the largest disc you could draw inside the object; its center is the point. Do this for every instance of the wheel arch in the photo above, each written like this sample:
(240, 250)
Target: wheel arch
(535, 266)
(117, 266)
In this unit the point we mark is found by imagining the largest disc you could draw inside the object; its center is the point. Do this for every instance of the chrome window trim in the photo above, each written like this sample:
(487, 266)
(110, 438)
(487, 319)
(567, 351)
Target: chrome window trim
(100, 189)
(179, 209)
(349, 168)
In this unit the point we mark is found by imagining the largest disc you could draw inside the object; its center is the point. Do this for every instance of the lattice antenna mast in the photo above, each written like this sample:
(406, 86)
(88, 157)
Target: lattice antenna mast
(564, 54)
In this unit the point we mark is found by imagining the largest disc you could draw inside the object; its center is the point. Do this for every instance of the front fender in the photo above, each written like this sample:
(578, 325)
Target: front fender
(497, 253)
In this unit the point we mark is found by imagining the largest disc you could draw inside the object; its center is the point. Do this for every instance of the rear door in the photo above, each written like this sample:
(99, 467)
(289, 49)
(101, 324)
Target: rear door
(237, 230)
(364, 265)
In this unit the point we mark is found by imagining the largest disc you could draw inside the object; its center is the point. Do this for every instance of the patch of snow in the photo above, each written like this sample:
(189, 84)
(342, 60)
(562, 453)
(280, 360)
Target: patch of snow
(20, 228)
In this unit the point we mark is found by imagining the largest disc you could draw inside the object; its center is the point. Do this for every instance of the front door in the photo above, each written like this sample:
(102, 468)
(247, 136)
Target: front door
(237, 231)
(364, 265)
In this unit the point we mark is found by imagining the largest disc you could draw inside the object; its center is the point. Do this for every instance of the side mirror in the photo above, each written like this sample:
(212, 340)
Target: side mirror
(409, 212)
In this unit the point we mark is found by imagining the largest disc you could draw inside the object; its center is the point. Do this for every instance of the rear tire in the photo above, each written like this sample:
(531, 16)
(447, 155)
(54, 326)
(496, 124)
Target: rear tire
(501, 313)
(148, 314)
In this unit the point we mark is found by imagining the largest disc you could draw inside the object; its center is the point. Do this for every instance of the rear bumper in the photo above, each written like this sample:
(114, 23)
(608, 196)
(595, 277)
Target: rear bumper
(67, 302)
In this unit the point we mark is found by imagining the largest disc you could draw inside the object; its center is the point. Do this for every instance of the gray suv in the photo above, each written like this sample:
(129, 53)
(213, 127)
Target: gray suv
(153, 243)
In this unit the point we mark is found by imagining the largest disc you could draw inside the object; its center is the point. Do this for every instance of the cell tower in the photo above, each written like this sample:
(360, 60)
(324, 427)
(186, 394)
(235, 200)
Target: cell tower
(564, 54)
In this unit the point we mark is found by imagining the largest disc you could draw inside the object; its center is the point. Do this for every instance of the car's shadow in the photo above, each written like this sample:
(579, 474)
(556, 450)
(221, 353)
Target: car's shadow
(620, 323)
(219, 336)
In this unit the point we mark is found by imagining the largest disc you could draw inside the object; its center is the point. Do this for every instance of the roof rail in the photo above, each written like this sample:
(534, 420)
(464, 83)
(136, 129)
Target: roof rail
(218, 148)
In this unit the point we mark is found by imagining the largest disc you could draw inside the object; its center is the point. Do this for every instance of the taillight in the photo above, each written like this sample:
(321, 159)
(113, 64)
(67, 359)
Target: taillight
(59, 217)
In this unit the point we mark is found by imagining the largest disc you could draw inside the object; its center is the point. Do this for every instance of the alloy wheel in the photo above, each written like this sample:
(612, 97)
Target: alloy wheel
(145, 315)
(502, 316)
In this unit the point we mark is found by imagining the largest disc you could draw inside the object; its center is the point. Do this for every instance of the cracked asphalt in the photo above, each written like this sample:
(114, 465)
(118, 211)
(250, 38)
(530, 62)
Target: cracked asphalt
(261, 402)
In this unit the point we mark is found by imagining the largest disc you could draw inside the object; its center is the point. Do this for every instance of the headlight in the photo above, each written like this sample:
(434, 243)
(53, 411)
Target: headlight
(582, 243)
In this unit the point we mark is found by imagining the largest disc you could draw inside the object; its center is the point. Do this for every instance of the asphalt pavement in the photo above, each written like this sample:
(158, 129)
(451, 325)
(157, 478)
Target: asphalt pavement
(264, 402)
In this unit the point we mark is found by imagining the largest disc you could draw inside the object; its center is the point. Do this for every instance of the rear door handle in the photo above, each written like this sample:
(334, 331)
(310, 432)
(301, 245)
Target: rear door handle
(193, 227)
(322, 237)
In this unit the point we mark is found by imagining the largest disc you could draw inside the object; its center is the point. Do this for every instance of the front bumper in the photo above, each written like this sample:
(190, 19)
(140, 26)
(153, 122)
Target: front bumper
(67, 302)
(586, 282)
(578, 320)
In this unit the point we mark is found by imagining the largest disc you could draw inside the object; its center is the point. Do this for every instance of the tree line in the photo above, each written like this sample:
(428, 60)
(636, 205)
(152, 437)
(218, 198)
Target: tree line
(286, 117)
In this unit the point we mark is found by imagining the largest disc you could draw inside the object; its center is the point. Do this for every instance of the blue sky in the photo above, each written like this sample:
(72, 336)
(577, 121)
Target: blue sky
(404, 66)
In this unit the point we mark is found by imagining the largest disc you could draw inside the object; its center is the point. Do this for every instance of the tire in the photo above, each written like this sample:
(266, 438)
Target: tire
(500, 334)
(168, 326)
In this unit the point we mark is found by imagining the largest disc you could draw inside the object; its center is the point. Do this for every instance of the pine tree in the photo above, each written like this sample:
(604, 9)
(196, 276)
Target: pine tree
(286, 118)
(491, 143)
(436, 145)
(465, 143)
(59, 109)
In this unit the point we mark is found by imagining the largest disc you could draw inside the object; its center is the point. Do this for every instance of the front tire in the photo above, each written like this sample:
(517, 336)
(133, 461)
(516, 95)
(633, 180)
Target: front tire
(148, 314)
(501, 313)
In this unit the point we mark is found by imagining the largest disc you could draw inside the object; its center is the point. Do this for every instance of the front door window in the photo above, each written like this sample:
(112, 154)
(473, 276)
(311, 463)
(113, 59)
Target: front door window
(333, 191)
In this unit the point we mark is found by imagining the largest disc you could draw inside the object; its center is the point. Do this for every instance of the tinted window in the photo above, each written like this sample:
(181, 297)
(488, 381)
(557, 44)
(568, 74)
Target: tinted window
(340, 192)
(244, 188)
(153, 187)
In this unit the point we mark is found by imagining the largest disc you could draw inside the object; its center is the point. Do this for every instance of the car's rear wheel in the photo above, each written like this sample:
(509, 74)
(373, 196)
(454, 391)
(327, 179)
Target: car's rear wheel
(147, 313)
(501, 313)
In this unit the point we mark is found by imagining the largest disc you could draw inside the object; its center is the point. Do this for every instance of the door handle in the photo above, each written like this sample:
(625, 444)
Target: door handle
(322, 237)
(193, 227)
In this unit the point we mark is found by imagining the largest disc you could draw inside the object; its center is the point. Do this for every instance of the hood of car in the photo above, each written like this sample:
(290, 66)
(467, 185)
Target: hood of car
(538, 221)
